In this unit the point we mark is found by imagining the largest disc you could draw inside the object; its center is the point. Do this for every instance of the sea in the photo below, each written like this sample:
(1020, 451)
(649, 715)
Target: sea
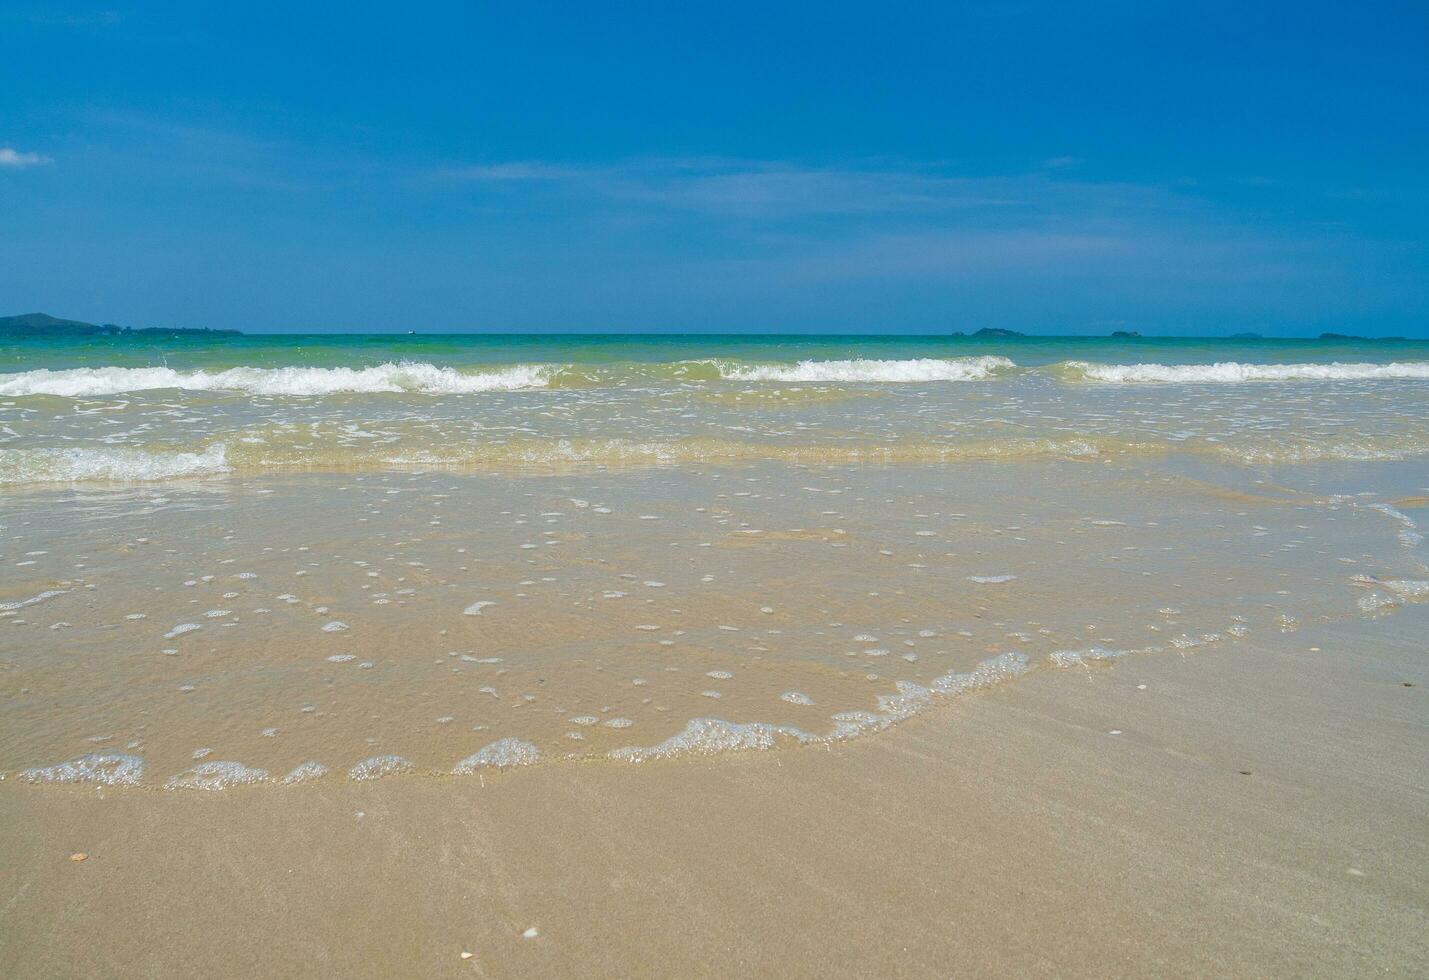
(267, 560)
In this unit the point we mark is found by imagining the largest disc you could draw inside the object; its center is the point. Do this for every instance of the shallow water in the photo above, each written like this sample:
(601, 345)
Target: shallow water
(215, 579)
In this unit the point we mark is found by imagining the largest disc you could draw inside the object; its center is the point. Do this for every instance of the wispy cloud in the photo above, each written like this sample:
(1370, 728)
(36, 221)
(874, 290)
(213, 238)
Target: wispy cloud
(13, 159)
(788, 225)
(754, 189)
(98, 18)
(836, 201)
(520, 170)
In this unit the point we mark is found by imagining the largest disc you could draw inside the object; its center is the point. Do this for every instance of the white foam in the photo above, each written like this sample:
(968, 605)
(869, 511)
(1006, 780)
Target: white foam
(501, 754)
(122, 465)
(292, 381)
(1405, 588)
(1376, 602)
(305, 772)
(1075, 658)
(379, 766)
(709, 736)
(1233, 372)
(997, 670)
(921, 369)
(106, 768)
(795, 697)
(32, 601)
(215, 776)
(1408, 588)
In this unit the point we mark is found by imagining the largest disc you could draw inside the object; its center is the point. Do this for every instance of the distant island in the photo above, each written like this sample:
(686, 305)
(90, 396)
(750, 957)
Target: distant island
(990, 332)
(1125, 334)
(44, 325)
(1350, 336)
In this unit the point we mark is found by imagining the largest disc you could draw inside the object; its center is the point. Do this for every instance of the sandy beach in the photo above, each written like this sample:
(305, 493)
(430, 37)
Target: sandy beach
(714, 490)
(1253, 810)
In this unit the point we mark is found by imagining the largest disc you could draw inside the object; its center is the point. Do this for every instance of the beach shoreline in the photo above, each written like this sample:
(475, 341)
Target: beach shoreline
(1251, 809)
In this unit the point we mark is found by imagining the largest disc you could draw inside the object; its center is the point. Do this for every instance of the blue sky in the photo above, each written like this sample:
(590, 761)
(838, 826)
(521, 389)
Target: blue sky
(1049, 167)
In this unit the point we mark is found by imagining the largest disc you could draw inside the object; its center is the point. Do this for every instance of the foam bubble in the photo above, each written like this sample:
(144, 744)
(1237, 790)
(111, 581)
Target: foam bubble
(1074, 658)
(1377, 602)
(1407, 588)
(106, 768)
(379, 766)
(215, 776)
(305, 772)
(708, 736)
(500, 754)
(997, 670)
(33, 600)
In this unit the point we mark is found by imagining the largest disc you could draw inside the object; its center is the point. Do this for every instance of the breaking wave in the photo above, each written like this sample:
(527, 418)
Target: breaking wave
(922, 369)
(1234, 372)
(292, 381)
(423, 378)
(21, 466)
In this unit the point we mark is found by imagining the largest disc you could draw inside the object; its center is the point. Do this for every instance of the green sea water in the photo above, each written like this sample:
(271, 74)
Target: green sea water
(120, 409)
(253, 561)
(465, 350)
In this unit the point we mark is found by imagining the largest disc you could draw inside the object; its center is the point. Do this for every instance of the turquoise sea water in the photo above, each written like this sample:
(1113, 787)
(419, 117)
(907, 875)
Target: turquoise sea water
(120, 409)
(458, 350)
(225, 560)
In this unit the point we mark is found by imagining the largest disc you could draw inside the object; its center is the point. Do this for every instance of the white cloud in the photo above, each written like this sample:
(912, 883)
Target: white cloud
(519, 170)
(790, 223)
(11, 157)
(774, 193)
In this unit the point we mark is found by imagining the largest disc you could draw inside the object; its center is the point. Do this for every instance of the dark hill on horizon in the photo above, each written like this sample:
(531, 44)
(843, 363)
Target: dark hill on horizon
(45, 325)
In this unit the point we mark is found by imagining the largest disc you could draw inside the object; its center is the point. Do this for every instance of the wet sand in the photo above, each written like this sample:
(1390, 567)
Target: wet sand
(229, 633)
(1261, 813)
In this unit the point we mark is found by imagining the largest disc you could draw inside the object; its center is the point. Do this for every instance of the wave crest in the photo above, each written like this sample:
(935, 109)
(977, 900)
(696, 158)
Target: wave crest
(412, 377)
(1234, 372)
(922, 369)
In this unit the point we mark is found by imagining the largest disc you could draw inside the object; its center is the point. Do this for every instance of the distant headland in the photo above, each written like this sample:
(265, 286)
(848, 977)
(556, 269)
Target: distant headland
(36, 325)
(990, 332)
(1350, 336)
(44, 325)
